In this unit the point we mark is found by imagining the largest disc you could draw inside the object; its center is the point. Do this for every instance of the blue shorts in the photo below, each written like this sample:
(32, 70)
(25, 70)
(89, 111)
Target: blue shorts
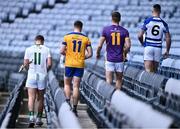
(71, 72)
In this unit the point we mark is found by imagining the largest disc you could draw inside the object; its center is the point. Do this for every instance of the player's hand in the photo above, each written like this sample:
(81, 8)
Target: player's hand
(98, 55)
(86, 57)
(21, 68)
(165, 55)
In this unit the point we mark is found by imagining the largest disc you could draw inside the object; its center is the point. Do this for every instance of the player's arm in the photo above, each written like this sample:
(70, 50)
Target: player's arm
(168, 39)
(168, 44)
(101, 42)
(89, 52)
(127, 45)
(142, 32)
(63, 49)
(49, 60)
(49, 63)
(140, 37)
(26, 63)
(26, 60)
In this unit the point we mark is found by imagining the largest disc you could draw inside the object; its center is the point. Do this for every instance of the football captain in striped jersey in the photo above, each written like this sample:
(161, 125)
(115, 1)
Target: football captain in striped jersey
(154, 28)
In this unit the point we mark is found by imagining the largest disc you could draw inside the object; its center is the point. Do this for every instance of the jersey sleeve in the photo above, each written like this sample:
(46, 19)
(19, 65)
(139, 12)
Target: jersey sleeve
(143, 27)
(166, 28)
(103, 32)
(64, 41)
(88, 43)
(127, 34)
(26, 56)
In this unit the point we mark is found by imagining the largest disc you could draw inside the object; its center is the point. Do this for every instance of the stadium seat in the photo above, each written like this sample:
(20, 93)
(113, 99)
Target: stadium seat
(65, 115)
(120, 101)
(22, 20)
(3, 80)
(168, 99)
(14, 79)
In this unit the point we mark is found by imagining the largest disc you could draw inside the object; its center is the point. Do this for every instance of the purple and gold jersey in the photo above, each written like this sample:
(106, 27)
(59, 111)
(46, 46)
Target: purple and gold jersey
(115, 38)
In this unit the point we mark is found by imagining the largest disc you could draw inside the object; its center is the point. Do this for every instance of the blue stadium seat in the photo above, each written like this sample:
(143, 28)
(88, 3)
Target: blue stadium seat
(168, 99)
(120, 101)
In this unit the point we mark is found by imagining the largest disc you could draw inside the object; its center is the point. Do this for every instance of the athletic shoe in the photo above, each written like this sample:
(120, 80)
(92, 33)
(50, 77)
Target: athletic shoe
(39, 122)
(31, 122)
(75, 112)
(69, 103)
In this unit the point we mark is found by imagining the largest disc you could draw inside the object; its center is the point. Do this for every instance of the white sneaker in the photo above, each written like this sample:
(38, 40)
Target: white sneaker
(31, 122)
(39, 121)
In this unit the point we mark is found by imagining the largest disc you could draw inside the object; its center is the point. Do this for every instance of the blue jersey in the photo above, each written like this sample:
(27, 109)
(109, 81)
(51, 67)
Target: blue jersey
(154, 28)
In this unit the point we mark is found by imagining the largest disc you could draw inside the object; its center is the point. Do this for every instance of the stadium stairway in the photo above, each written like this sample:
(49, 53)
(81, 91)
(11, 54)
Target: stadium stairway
(57, 113)
(23, 117)
(56, 94)
(16, 36)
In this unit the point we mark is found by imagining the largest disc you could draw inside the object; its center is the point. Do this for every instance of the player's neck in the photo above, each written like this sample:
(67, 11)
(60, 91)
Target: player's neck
(114, 23)
(156, 15)
(77, 30)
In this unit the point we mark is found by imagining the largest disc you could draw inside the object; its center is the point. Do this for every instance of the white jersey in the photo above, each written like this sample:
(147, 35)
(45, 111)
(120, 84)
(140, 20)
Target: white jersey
(154, 28)
(38, 55)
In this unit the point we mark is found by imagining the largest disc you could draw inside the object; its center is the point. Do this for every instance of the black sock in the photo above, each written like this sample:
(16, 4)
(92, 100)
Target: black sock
(67, 100)
(75, 107)
(39, 114)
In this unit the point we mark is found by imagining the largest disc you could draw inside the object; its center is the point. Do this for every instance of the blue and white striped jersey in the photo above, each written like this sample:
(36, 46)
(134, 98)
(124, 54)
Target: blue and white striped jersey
(154, 28)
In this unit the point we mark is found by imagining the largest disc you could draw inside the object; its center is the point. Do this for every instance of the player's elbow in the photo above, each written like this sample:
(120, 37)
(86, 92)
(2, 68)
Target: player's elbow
(49, 66)
(90, 54)
(62, 52)
(168, 36)
(129, 44)
(26, 62)
(49, 62)
(140, 37)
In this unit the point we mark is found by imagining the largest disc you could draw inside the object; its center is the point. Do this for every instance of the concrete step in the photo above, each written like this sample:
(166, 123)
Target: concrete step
(84, 118)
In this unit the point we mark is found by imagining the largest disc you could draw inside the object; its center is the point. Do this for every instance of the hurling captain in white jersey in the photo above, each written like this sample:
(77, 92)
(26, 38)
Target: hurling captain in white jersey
(36, 81)
(154, 28)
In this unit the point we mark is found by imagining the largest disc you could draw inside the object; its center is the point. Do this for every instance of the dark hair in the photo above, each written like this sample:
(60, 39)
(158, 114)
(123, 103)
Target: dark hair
(157, 8)
(78, 24)
(116, 16)
(40, 37)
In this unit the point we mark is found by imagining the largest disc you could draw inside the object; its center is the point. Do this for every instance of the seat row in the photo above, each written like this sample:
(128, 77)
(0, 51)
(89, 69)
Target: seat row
(57, 109)
(111, 108)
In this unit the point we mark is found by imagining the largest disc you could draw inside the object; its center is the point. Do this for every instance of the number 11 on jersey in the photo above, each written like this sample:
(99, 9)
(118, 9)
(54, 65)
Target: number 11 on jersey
(75, 42)
(116, 39)
(37, 58)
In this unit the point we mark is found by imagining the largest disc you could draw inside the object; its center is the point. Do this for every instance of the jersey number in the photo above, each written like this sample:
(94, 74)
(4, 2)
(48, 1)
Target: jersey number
(75, 43)
(155, 30)
(116, 39)
(37, 58)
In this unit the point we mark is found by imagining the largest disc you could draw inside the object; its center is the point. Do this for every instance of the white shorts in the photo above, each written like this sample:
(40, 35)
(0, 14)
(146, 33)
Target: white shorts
(114, 67)
(152, 53)
(36, 80)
